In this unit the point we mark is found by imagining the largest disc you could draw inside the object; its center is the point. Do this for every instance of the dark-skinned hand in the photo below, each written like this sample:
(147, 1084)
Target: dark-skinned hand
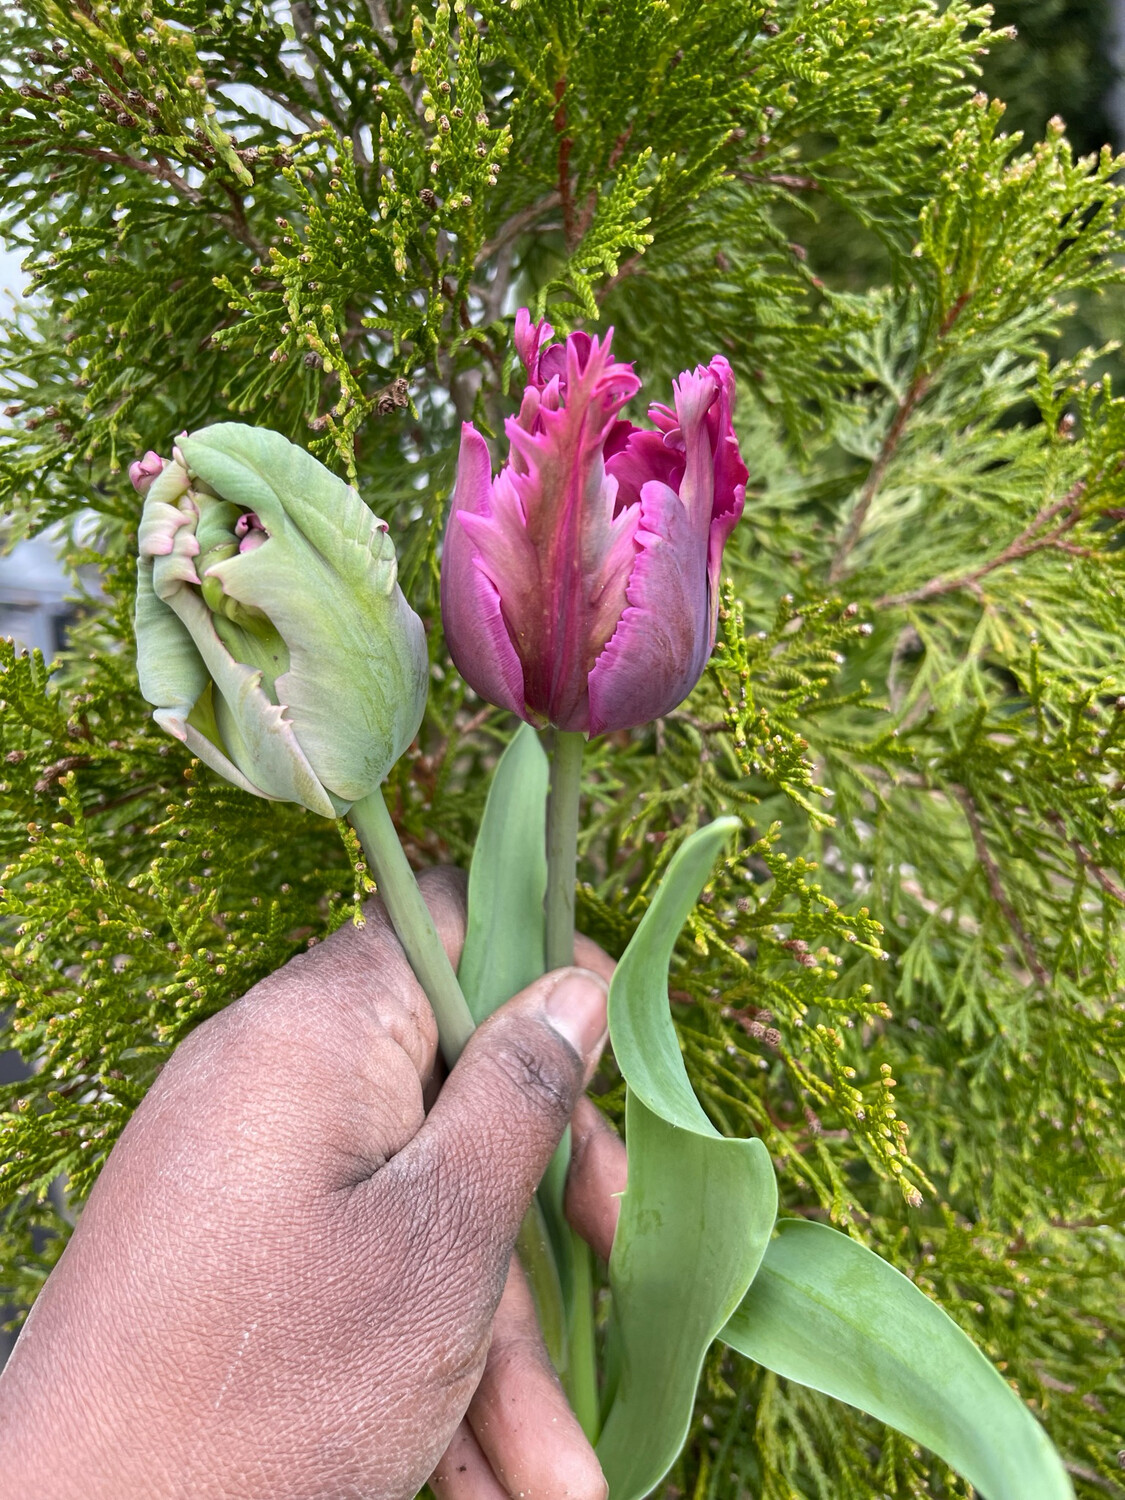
(294, 1277)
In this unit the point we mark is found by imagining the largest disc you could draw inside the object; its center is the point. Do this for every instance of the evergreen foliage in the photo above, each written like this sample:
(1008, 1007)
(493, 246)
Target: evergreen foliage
(907, 981)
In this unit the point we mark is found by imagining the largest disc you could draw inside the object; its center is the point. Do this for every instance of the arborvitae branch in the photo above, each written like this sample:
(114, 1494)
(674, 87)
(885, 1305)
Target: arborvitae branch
(908, 978)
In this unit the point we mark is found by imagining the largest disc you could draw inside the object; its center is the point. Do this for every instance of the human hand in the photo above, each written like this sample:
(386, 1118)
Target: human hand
(287, 1280)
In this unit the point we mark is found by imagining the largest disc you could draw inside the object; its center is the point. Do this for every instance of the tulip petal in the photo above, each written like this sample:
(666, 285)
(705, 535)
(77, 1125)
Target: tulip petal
(173, 675)
(326, 577)
(167, 510)
(696, 392)
(475, 632)
(144, 470)
(598, 546)
(528, 337)
(662, 641)
(644, 456)
(730, 473)
(169, 668)
(696, 453)
(204, 749)
(665, 636)
(292, 494)
(252, 730)
(555, 544)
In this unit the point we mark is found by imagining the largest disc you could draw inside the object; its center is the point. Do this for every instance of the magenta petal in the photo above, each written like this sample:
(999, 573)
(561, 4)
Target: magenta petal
(144, 470)
(470, 602)
(528, 337)
(581, 586)
(662, 642)
(731, 474)
(695, 394)
(713, 486)
(529, 408)
(552, 362)
(618, 439)
(566, 552)
(644, 456)
(663, 417)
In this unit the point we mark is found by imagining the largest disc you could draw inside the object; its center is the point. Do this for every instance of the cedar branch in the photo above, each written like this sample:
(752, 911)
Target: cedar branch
(996, 886)
(1025, 545)
(918, 388)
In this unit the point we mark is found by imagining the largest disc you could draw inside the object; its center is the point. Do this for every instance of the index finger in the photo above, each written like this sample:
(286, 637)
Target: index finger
(587, 955)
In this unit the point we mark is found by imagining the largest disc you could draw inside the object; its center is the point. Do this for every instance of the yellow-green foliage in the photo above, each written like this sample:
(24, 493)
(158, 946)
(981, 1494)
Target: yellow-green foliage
(908, 979)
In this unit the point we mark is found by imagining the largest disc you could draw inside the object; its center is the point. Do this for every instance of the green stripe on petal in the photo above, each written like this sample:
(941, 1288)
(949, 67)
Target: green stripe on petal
(265, 746)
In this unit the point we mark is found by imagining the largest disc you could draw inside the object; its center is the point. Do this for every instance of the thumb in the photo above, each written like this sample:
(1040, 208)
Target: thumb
(504, 1107)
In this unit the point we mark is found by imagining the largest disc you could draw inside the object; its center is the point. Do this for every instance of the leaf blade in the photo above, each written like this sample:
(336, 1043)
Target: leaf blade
(696, 1215)
(504, 947)
(831, 1314)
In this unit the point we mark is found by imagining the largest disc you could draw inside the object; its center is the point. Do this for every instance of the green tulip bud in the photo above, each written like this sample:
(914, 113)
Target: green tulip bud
(272, 637)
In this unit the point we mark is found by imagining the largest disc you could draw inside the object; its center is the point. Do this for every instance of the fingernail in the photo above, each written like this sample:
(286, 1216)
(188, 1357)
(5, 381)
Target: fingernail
(576, 1008)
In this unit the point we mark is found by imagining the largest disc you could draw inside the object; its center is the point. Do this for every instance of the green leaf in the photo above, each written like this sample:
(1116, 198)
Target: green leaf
(504, 952)
(504, 940)
(698, 1211)
(828, 1312)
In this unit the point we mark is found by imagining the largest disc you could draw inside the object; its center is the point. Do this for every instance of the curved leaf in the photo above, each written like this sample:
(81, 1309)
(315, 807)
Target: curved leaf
(698, 1210)
(504, 951)
(504, 940)
(828, 1312)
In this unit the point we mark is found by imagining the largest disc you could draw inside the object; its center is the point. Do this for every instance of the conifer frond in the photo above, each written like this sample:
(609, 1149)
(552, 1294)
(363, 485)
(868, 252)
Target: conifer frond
(906, 979)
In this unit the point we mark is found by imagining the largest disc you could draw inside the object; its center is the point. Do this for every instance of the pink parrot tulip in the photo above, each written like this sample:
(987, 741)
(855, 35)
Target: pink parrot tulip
(580, 586)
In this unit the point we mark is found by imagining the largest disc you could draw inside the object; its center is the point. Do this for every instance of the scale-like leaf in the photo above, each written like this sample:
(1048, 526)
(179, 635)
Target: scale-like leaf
(698, 1210)
(827, 1312)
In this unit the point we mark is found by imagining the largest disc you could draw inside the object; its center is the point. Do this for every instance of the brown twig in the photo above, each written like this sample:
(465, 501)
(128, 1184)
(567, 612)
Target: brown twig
(60, 768)
(919, 386)
(631, 267)
(1080, 1471)
(703, 726)
(780, 179)
(238, 220)
(235, 222)
(161, 171)
(1087, 861)
(917, 389)
(995, 884)
(515, 226)
(590, 207)
(617, 151)
(1026, 544)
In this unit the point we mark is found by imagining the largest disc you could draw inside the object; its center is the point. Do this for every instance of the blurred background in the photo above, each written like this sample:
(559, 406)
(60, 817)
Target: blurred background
(1068, 59)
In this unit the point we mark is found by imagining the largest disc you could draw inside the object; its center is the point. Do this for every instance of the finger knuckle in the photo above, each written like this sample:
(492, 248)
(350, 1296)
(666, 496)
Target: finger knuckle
(543, 1077)
(517, 1359)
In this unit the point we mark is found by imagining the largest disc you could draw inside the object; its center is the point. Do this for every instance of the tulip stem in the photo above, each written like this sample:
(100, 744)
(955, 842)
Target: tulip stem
(562, 846)
(418, 935)
(413, 923)
(580, 1377)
